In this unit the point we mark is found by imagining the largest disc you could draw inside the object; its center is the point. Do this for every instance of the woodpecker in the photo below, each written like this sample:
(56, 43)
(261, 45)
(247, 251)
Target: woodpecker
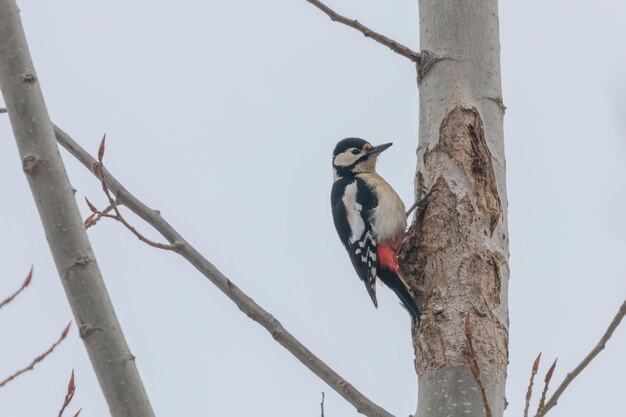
(370, 219)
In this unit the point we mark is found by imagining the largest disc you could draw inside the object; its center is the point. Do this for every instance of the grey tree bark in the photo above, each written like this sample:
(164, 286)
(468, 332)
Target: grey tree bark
(456, 251)
(75, 261)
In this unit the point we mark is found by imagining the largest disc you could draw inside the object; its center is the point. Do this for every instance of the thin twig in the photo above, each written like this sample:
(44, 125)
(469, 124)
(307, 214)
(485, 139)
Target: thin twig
(594, 352)
(246, 304)
(96, 216)
(105, 189)
(529, 392)
(113, 205)
(38, 358)
(25, 284)
(395, 46)
(2, 110)
(71, 389)
(472, 360)
(322, 404)
(546, 380)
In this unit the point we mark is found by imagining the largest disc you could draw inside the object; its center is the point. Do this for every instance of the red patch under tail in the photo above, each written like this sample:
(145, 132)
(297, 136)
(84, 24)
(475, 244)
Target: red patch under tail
(387, 258)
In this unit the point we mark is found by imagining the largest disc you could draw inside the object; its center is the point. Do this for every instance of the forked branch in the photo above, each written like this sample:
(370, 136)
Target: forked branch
(246, 304)
(594, 352)
(113, 206)
(395, 46)
(96, 215)
(546, 384)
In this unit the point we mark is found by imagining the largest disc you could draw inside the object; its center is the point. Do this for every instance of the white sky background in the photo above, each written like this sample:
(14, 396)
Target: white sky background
(223, 115)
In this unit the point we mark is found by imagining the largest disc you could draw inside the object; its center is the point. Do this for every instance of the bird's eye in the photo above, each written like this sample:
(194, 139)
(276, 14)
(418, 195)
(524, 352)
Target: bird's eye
(355, 151)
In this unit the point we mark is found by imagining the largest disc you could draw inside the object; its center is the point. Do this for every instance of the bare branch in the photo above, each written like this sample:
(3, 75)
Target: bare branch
(546, 380)
(113, 205)
(38, 358)
(529, 392)
(594, 352)
(322, 404)
(71, 389)
(73, 256)
(246, 304)
(367, 32)
(472, 360)
(19, 290)
(2, 110)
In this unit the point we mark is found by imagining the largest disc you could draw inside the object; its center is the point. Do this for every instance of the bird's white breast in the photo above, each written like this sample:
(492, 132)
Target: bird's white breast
(389, 217)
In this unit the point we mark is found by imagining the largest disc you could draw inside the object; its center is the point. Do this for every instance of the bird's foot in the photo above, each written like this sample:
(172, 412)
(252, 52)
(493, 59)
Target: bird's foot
(422, 193)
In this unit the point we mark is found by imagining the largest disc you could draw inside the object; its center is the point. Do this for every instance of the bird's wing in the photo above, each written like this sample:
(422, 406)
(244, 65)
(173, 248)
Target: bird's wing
(351, 212)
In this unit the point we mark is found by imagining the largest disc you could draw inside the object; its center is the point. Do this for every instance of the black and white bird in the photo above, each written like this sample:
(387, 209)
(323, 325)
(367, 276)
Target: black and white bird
(370, 219)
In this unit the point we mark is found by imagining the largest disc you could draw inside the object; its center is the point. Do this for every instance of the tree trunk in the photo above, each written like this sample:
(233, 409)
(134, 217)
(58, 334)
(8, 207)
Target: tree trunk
(456, 252)
(101, 332)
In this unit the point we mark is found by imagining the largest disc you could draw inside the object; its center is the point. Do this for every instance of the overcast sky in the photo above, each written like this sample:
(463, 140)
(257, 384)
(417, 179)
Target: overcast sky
(223, 115)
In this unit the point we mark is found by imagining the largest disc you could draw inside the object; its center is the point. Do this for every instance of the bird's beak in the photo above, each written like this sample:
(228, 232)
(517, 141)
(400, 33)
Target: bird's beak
(378, 149)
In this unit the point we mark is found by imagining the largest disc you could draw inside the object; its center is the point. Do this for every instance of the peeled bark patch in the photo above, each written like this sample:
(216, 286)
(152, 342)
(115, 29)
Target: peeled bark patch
(451, 255)
(462, 138)
(481, 274)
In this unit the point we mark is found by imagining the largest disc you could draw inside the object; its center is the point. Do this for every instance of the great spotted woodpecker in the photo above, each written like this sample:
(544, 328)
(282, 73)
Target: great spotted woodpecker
(370, 218)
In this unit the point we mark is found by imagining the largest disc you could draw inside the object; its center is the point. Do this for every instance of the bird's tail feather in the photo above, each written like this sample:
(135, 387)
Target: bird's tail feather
(370, 285)
(400, 287)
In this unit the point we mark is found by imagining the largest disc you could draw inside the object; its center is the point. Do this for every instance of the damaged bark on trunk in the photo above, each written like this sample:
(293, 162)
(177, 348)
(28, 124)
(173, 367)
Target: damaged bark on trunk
(456, 251)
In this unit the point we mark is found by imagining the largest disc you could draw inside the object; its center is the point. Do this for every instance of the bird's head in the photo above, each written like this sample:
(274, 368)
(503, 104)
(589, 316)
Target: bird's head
(354, 156)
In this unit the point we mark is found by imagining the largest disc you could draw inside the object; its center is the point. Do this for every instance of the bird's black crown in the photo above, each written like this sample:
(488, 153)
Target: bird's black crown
(348, 143)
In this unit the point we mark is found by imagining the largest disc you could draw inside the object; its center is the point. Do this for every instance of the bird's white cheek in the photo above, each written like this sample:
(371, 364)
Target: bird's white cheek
(345, 159)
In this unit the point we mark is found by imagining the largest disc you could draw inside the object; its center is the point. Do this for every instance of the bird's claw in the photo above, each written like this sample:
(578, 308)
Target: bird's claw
(422, 192)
